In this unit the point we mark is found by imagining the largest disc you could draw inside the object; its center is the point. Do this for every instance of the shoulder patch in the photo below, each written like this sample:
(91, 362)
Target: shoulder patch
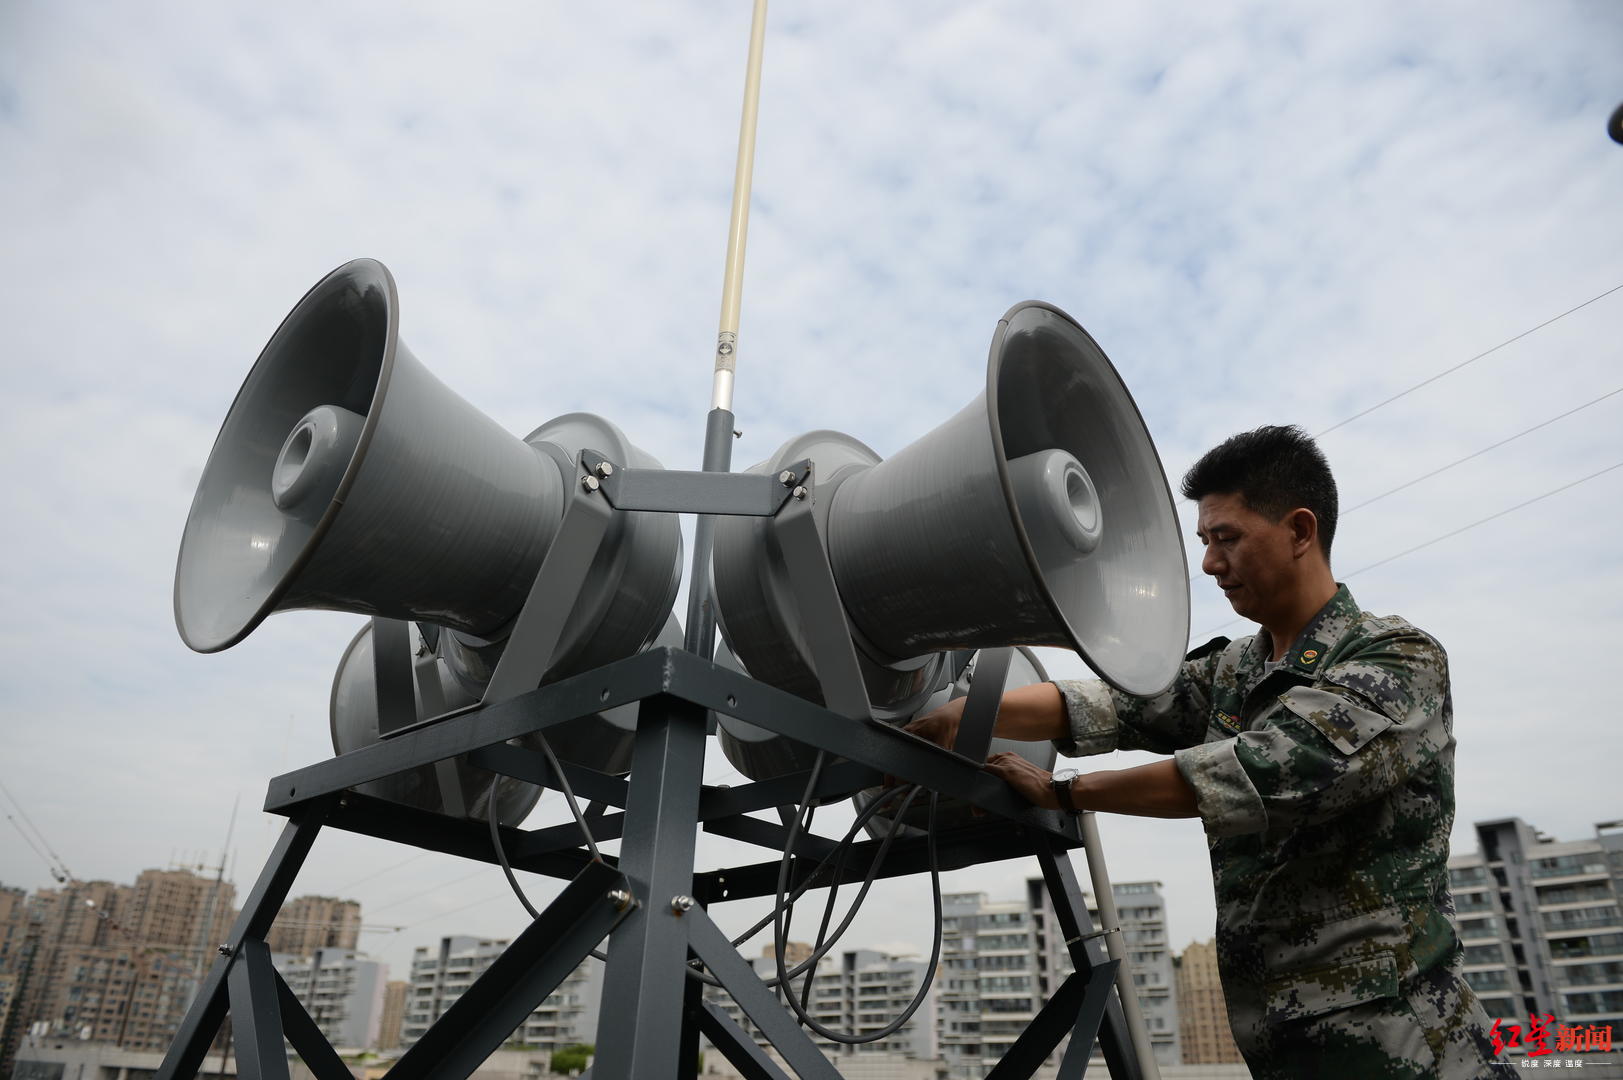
(1207, 649)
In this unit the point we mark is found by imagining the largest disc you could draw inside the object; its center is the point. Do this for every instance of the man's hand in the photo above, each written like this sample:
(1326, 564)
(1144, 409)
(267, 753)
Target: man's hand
(1033, 784)
(940, 726)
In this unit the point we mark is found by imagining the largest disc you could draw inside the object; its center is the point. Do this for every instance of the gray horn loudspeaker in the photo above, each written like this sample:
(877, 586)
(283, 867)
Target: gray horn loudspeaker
(1038, 515)
(346, 477)
(442, 680)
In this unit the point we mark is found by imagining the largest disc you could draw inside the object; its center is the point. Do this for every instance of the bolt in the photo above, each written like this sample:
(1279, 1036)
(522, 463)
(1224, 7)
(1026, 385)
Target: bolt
(621, 898)
(787, 478)
(225, 950)
(590, 483)
(800, 492)
(604, 469)
(680, 904)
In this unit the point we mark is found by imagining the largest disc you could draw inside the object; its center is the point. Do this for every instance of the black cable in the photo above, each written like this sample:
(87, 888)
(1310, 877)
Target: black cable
(569, 795)
(501, 856)
(808, 883)
(896, 1025)
(825, 943)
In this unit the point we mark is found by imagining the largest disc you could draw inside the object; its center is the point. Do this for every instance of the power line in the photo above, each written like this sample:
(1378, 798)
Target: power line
(59, 869)
(1484, 450)
(1490, 517)
(380, 873)
(1455, 532)
(1463, 363)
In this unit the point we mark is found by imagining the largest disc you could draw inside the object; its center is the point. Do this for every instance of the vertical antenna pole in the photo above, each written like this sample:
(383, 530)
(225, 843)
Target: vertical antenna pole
(718, 435)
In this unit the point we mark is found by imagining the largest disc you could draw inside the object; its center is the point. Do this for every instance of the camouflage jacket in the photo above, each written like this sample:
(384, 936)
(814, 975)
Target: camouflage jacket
(1326, 788)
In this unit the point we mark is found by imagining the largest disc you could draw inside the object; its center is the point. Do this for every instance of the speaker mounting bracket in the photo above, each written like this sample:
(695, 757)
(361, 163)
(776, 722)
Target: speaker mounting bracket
(675, 491)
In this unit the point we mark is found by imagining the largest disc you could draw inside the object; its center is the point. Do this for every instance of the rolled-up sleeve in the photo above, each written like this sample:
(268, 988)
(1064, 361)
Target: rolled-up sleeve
(1373, 721)
(1100, 719)
(1225, 797)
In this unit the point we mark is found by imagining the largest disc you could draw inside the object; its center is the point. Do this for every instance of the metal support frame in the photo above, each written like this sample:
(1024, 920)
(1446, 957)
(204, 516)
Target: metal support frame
(650, 902)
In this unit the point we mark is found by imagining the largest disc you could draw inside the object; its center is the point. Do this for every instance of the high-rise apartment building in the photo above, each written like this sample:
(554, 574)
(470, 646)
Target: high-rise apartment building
(394, 1013)
(1203, 1015)
(1541, 923)
(342, 991)
(310, 923)
(111, 963)
(1001, 960)
(859, 991)
(441, 975)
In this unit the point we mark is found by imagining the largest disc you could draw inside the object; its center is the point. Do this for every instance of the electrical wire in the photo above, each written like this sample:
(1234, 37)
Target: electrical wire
(1452, 533)
(1490, 517)
(786, 897)
(569, 796)
(1484, 450)
(780, 933)
(1463, 363)
(59, 869)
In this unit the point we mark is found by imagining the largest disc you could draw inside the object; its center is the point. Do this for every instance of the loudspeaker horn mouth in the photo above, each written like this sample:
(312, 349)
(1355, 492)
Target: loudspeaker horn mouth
(240, 553)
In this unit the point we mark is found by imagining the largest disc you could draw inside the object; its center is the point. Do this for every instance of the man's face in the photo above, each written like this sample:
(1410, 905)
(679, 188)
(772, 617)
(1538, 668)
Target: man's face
(1249, 555)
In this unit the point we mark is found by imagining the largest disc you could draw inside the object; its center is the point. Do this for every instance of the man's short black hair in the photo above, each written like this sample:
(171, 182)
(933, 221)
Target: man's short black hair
(1275, 469)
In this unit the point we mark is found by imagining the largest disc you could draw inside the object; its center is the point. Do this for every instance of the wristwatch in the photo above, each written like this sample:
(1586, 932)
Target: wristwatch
(1062, 789)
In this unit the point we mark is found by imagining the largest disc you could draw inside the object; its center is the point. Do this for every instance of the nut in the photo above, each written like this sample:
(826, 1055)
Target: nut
(590, 483)
(680, 904)
(604, 469)
(800, 492)
(621, 898)
(786, 478)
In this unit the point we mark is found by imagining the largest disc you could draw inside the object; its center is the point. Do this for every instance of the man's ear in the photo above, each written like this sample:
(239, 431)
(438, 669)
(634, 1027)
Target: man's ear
(1304, 527)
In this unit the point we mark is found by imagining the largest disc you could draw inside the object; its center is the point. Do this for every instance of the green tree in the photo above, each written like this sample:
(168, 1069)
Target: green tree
(572, 1058)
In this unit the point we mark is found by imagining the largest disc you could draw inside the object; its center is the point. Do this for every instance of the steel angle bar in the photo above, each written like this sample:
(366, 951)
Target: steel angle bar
(765, 834)
(619, 683)
(539, 959)
(522, 763)
(677, 491)
(735, 1044)
(1088, 953)
(1067, 1012)
(313, 1048)
(966, 845)
(208, 1009)
(877, 746)
(822, 616)
(538, 842)
(464, 838)
(256, 1015)
(839, 778)
(392, 674)
(541, 621)
(644, 978)
(974, 739)
(687, 1056)
(759, 1004)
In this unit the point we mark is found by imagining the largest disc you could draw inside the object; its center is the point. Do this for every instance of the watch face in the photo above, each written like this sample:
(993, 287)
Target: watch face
(1067, 775)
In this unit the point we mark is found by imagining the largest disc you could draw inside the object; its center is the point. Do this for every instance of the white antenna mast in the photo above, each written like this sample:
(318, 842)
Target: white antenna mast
(718, 436)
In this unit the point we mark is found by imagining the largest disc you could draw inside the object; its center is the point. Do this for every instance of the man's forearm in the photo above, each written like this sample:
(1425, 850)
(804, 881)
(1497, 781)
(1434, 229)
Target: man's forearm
(1154, 790)
(1032, 713)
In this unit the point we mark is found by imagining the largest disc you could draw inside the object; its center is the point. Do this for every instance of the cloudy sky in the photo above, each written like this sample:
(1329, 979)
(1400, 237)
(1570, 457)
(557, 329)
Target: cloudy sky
(1263, 213)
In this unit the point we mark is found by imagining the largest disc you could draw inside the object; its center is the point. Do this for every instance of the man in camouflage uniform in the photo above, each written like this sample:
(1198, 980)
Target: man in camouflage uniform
(1319, 756)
